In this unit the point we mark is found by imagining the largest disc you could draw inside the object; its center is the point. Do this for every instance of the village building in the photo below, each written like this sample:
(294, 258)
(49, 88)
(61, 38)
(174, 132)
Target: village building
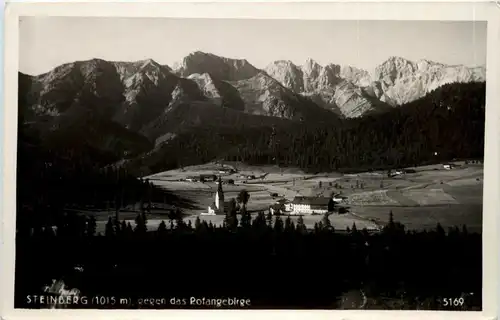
(276, 209)
(312, 205)
(281, 206)
(284, 204)
(338, 198)
(395, 173)
(219, 206)
(449, 166)
(226, 171)
(208, 177)
(398, 172)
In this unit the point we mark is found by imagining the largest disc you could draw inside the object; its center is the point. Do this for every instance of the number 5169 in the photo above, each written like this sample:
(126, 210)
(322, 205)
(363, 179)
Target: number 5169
(453, 302)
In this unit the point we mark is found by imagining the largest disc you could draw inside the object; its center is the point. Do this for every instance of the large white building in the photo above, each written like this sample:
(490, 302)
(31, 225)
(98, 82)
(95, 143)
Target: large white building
(312, 205)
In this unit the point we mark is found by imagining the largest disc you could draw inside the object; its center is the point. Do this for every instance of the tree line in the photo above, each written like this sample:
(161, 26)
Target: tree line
(272, 261)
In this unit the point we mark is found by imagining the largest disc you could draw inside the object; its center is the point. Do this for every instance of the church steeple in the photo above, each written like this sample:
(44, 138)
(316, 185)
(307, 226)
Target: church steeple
(219, 196)
(219, 187)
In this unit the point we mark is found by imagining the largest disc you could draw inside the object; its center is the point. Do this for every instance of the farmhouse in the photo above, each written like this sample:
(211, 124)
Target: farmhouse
(280, 206)
(226, 171)
(312, 205)
(208, 177)
(449, 166)
(286, 205)
(276, 208)
(395, 173)
(337, 198)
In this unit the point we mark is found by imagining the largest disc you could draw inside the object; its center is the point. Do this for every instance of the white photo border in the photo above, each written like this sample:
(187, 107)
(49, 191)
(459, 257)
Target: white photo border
(319, 10)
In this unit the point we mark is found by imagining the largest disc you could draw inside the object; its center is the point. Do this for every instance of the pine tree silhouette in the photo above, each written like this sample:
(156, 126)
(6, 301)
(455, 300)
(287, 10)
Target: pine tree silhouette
(354, 229)
(301, 227)
(91, 226)
(109, 229)
(197, 224)
(278, 225)
(140, 224)
(162, 228)
(325, 221)
(246, 219)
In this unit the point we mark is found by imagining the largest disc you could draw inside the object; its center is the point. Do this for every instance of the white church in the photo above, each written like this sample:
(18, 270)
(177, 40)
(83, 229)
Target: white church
(219, 206)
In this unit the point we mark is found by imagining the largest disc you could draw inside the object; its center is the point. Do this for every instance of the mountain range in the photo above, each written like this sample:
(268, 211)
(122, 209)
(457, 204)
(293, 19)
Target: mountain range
(353, 92)
(277, 90)
(135, 107)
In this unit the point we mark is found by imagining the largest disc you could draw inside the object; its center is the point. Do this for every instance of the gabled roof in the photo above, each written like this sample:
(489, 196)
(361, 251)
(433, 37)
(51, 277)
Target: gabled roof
(338, 195)
(282, 201)
(313, 201)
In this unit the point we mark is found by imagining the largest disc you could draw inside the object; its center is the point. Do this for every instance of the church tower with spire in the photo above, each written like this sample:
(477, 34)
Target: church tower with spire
(219, 196)
(218, 206)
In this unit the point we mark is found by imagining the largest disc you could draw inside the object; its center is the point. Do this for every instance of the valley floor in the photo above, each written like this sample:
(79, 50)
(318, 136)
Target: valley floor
(419, 200)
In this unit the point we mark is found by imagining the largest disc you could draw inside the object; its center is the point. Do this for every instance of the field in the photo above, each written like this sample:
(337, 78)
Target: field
(419, 200)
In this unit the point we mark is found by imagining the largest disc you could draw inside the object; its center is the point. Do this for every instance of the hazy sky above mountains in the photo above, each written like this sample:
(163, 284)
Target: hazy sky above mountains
(46, 42)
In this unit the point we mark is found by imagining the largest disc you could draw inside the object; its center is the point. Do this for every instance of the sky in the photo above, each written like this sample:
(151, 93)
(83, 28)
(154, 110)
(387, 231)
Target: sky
(46, 42)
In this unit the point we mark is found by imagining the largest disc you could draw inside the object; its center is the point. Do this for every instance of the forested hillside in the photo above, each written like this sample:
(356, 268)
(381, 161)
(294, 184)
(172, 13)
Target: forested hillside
(447, 123)
(51, 180)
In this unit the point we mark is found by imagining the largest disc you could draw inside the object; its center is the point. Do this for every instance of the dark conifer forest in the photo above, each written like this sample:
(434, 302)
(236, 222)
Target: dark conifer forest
(274, 264)
(449, 121)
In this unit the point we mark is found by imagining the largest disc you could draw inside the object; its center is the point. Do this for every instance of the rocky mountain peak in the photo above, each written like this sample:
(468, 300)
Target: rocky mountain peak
(397, 60)
(221, 68)
(401, 80)
(357, 76)
(287, 73)
(282, 89)
(311, 68)
(317, 77)
(205, 83)
(149, 63)
(262, 80)
(89, 67)
(394, 68)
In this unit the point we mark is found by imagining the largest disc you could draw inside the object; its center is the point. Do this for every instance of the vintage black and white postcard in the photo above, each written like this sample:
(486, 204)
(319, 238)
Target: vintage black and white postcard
(324, 162)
